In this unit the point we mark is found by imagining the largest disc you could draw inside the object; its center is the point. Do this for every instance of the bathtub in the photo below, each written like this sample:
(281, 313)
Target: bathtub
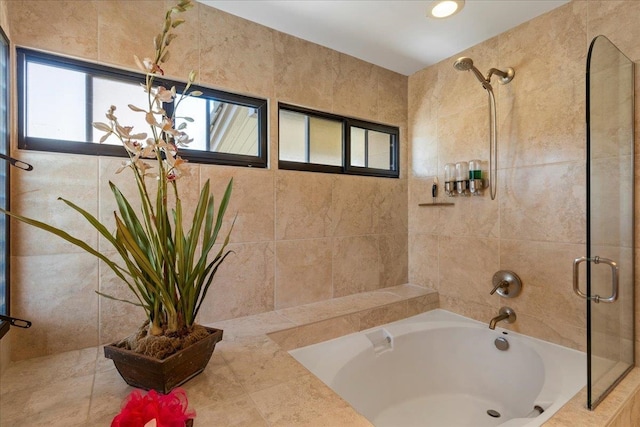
(443, 370)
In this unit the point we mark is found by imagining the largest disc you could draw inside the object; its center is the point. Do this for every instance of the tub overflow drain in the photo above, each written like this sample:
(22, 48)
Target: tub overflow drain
(493, 413)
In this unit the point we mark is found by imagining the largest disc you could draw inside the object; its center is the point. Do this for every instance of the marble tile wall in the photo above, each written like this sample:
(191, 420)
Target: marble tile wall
(536, 225)
(298, 237)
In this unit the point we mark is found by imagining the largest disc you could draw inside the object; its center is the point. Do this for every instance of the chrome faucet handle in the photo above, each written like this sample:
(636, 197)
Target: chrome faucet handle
(500, 285)
(506, 283)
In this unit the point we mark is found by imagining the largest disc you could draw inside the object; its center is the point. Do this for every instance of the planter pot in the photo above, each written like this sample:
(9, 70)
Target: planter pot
(163, 375)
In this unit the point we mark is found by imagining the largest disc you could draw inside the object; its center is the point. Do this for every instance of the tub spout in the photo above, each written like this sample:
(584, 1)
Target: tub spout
(507, 314)
(492, 323)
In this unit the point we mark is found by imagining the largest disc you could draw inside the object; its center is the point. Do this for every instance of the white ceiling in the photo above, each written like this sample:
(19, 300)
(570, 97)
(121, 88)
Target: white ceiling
(394, 34)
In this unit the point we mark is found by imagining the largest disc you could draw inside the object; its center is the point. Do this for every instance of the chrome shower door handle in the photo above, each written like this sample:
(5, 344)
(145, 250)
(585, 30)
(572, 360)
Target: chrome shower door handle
(614, 278)
(576, 276)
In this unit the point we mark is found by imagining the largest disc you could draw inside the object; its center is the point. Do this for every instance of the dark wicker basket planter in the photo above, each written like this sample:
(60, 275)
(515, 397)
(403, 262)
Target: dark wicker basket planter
(164, 375)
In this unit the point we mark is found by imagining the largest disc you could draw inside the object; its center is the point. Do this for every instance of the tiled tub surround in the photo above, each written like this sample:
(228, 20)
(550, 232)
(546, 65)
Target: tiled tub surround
(251, 379)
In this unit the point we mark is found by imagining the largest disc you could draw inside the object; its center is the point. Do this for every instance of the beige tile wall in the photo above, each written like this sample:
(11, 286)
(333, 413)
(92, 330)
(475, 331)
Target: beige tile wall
(298, 237)
(536, 225)
(4, 19)
(353, 231)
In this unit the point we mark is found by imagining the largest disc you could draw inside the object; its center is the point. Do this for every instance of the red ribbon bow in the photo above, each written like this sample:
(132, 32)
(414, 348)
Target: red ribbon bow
(170, 410)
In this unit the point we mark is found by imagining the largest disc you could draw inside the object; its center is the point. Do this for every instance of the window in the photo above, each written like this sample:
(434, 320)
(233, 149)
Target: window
(320, 142)
(60, 97)
(4, 181)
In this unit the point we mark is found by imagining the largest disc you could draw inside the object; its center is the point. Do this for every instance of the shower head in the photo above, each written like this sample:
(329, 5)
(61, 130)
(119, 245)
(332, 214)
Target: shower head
(466, 64)
(463, 64)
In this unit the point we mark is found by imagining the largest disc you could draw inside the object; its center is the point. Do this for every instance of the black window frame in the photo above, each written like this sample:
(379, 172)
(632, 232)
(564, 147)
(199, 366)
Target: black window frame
(4, 170)
(25, 55)
(347, 124)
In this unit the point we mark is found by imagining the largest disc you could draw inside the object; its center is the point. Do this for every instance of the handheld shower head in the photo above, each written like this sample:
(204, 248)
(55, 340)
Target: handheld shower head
(463, 64)
(466, 64)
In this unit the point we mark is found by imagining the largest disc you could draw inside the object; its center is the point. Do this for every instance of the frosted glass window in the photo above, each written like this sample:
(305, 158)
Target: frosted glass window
(322, 142)
(325, 141)
(379, 154)
(371, 149)
(293, 136)
(309, 139)
(358, 156)
(56, 103)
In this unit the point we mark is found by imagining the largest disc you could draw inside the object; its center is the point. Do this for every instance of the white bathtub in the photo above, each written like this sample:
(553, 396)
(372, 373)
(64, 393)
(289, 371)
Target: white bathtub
(443, 370)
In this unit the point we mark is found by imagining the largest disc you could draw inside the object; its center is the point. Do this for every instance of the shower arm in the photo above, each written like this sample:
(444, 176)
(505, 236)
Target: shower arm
(505, 77)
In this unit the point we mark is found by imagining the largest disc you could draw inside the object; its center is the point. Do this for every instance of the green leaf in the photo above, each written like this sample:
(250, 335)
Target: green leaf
(129, 242)
(119, 299)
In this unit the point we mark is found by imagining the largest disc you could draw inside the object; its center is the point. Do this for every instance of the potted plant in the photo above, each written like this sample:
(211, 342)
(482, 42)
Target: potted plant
(166, 265)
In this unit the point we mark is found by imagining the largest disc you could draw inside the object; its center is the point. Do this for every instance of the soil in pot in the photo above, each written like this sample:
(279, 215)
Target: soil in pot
(162, 346)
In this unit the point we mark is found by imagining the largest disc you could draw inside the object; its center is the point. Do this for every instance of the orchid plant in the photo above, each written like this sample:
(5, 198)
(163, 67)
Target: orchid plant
(166, 266)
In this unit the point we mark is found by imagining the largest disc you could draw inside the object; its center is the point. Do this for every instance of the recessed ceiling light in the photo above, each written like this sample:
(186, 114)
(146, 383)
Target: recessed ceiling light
(444, 8)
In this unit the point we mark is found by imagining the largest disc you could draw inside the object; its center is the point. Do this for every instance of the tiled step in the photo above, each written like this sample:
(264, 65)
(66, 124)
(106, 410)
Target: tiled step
(329, 319)
(319, 321)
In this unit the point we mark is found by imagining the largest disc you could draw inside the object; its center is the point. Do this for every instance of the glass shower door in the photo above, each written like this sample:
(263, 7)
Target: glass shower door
(610, 218)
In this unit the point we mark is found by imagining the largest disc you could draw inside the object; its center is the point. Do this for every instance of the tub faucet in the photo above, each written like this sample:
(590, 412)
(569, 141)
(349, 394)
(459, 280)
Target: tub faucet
(507, 314)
